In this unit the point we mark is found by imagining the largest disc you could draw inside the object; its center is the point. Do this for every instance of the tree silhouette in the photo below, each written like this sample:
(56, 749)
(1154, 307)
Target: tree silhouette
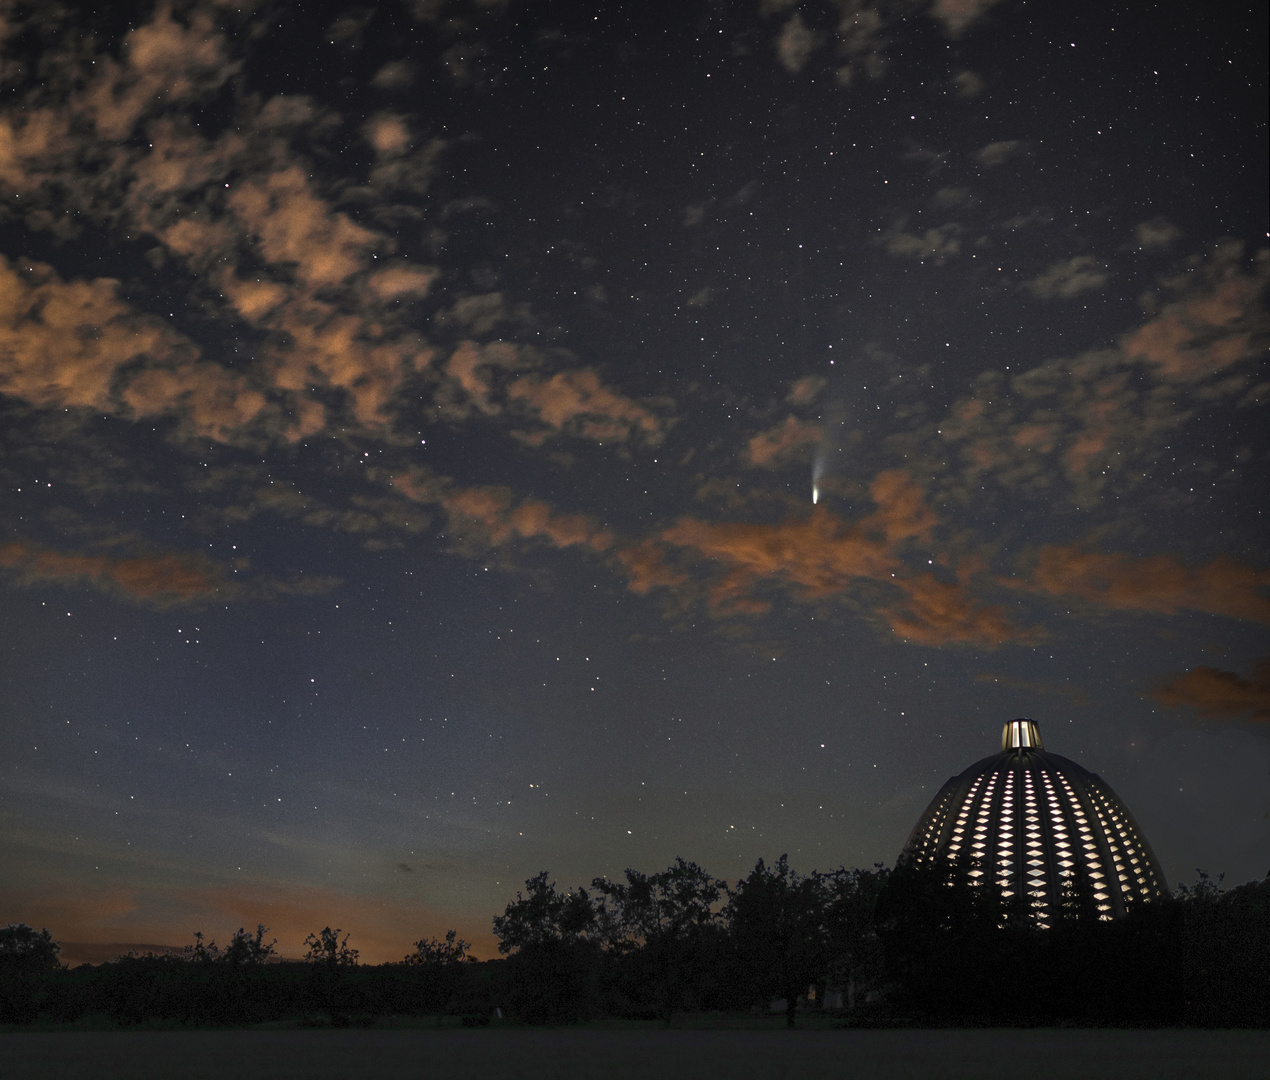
(28, 958)
(853, 954)
(330, 959)
(23, 948)
(552, 939)
(663, 927)
(776, 918)
(327, 950)
(541, 916)
(429, 952)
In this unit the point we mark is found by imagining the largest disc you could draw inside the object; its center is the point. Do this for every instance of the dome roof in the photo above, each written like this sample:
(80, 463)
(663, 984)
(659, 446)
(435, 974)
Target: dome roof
(1040, 828)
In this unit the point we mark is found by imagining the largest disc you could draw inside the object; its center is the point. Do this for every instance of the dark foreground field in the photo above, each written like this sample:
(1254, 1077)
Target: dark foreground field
(563, 1053)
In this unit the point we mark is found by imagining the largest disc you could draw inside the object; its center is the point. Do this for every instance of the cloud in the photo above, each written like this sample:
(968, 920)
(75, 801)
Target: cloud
(388, 133)
(1068, 278)
(950, 198)
(1218, 321)
(167, 64)
(997, 153)
(958, 15)
(249, 216)
(1215, 693)
(795, 44)
(767, 446)
(822, 556)
(936, 243)
(395, 282)
(968, 84)
(244, 211)
(862, 38)
(1077, 424)
(492, 379)
(395, 75)
(647, 569)
(1158, 234)
(158, 580)
(578, 402)
(293, 227)
(216, 402)
(65, 342)
(1158, 584)
(487, 514)
(804, 390)
(1080, 420)
(937, 612)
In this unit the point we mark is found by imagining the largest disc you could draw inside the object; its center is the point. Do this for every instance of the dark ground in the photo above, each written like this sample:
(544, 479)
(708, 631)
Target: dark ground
(564, 1053)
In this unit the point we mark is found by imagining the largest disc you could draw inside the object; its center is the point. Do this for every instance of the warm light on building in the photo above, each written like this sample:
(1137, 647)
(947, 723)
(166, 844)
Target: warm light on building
(1037, 826)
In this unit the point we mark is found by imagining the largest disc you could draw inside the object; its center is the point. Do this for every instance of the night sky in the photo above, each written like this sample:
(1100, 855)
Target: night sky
(443, 441)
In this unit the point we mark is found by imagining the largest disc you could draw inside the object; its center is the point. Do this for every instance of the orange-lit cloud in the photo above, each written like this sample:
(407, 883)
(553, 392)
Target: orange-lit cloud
(491, 511)
(248, 216)
(1157, 584)
(158, 579)
(767, 446)
(167, 63)
(64, 342)
(804, 390)
(937, 612)
(75, 343)
(1088, 420)
(820, 556)
(217, 402)
(294, 227)
(1212, 692)
(1217, 323)
(577, 401)
(492, 379)
(646, 567)
(244, 198)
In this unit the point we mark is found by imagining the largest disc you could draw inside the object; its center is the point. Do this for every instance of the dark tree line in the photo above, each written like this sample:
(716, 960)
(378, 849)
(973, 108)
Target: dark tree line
(872, 946)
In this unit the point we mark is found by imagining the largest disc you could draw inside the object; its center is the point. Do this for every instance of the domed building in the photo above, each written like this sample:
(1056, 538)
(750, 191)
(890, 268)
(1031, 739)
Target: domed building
(1039, 829)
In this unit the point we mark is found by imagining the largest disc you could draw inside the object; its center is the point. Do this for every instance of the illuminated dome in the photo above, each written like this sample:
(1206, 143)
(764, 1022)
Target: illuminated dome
(1039, 828)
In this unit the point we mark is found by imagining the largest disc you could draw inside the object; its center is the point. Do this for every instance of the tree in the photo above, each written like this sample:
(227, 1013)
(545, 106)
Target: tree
(244, 950)
(777, 921)
(662, 925)
(330, 960)
(22, 948)
(28, 958)
(852, 951)
(551, 937)
(429, 952)
(327, 950)
(544, 916)
(1226, 952)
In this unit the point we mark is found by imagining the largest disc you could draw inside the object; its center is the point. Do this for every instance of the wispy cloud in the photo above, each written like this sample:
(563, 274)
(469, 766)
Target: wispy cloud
(159, 580)
(1158, 583)
(822, 556)
(1069, 278)
(1215, 693)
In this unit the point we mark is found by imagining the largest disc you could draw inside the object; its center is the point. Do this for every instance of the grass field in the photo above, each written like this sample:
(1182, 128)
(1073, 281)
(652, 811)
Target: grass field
(649, 1054)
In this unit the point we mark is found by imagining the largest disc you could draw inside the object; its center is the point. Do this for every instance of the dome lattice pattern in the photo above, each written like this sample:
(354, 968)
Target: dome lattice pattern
(1037, 825)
